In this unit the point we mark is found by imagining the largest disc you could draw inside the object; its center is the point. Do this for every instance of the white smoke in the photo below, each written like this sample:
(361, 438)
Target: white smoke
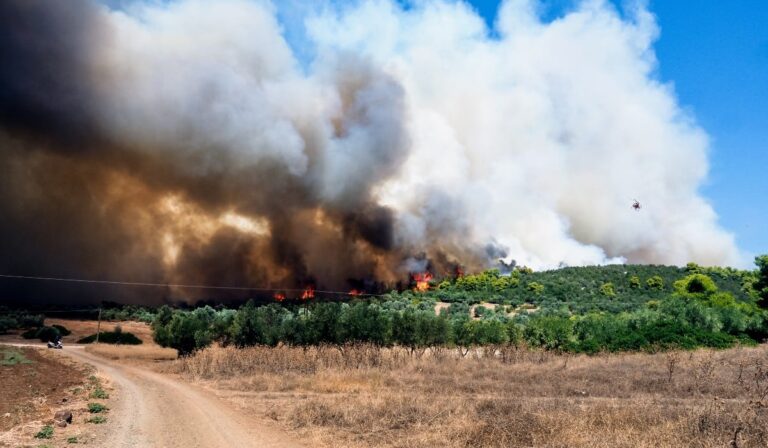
(536, 140)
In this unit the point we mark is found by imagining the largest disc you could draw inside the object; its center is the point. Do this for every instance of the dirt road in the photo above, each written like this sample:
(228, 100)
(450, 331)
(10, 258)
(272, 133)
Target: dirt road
(156, 410)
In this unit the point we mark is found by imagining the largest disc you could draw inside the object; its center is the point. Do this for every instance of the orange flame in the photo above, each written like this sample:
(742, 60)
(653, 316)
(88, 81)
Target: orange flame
(422, 281)
(308, 293)
(279, 296)
(355, 292)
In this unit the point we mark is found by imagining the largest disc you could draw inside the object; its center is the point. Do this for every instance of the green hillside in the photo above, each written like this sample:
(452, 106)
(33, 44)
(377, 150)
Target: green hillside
(613, 288)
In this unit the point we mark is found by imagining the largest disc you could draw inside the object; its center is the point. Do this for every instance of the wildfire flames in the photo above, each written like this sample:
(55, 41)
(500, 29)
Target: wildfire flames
(355, 292)
(422, 281)
(308, 293)
(279, 296)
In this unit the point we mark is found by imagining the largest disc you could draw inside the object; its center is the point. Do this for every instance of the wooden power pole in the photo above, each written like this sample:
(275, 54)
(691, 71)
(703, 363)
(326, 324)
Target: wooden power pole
(98, 327)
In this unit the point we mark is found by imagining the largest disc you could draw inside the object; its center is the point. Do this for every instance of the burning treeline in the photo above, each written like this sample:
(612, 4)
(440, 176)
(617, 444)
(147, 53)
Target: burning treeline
(185, 143)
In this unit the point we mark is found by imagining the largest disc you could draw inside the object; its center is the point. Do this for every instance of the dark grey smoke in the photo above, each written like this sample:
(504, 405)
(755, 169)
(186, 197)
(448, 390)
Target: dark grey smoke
(82, 191)
(45, 69)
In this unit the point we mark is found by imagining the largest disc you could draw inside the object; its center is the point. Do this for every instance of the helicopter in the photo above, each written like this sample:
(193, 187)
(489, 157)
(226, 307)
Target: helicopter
(636, 205)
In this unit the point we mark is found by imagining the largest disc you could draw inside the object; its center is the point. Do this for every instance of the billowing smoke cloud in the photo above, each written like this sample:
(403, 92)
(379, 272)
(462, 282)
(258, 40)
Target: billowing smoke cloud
(186, 142)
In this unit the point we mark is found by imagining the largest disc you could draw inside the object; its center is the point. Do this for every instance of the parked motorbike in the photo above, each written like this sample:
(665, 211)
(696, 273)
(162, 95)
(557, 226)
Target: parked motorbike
(56, 344)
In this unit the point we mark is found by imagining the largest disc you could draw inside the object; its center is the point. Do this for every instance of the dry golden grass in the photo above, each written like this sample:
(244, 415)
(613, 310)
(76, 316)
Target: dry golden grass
(145, 352)
(83, 328)
(363, 396)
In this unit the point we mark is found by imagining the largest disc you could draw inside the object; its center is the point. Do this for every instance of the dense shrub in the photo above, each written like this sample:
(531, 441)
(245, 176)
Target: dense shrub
(760, 285)
(18, 319)
(62, 330)
(45, 334)
(129, 312)
(188, 331)
(550, 332)
(7, 323)
(112, 337)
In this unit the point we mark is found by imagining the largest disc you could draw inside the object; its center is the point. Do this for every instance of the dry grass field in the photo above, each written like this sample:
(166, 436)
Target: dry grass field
(148, 352)
(363, 397)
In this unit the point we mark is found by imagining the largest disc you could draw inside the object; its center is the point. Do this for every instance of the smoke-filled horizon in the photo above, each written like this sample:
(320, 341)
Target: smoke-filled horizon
(185, 142)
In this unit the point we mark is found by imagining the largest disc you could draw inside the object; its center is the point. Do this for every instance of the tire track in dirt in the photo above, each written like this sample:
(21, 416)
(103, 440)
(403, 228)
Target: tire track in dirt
(160, 411)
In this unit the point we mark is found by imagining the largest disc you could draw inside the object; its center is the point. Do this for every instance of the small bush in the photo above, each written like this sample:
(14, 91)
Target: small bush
(45, 334)
(97, 420)
(11, 357)
(121, 337)
(45, 433)
(7, 323)
(62, 330)
(71, 439)
(96, 408)
(99, 393)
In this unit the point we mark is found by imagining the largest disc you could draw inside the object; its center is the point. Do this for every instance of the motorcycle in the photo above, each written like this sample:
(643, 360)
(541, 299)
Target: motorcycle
(56, 344)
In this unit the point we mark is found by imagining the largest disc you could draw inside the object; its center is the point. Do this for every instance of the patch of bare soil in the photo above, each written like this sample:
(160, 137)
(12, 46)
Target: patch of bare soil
(34, 384)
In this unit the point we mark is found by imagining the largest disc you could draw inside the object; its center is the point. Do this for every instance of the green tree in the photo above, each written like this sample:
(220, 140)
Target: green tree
(160, 332)
(524, 270)
(514, 333)
(325, 323)
(550, 332)
(258, 325)
(634, 282)
(596, 332)
(695, 286)
(535, 287)
(693, 268)
(182, 330)
(463, 334)
(761, 285)
(405, 329)
(488, 332)
(607, 290)
(655, 282)
(367, 323)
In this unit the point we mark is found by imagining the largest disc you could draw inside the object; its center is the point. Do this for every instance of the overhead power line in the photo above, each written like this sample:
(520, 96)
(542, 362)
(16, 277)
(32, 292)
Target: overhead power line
(177, 285)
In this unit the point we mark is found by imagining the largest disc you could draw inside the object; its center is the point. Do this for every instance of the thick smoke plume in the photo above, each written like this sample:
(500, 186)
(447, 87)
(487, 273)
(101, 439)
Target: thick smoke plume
(186, 142)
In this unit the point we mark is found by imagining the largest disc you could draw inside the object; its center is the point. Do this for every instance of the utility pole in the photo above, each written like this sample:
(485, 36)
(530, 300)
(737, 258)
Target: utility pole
(98, 327)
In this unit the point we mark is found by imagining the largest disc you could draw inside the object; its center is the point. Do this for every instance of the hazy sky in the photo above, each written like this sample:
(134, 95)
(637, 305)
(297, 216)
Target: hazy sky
(716, 56)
